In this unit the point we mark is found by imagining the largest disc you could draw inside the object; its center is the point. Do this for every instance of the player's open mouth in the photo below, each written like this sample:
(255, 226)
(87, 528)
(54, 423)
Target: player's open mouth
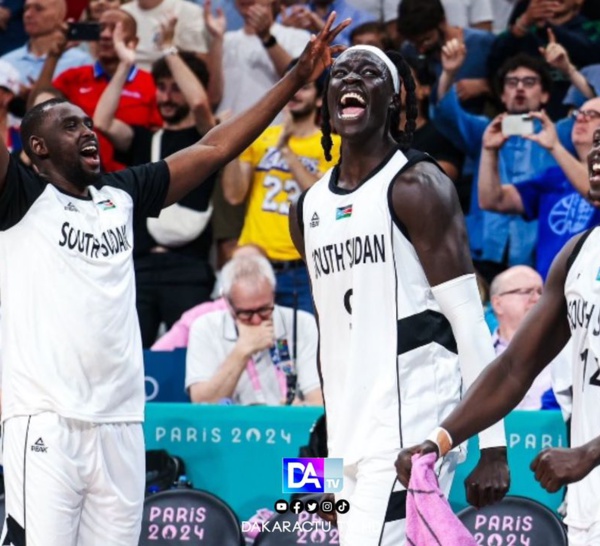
(90, 155)
(595, 169)
(352, 106)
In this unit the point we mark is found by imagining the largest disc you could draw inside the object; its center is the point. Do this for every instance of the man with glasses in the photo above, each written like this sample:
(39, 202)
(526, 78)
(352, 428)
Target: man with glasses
(513, 294)
(556, 197)
(498, 241)
(254, 352)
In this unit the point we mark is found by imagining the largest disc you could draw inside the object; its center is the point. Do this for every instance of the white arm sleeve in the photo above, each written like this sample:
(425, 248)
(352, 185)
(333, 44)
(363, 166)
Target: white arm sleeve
(460, 303)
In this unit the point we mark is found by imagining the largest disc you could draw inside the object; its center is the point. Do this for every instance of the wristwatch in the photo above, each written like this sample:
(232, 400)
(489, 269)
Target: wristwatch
(171, 50)
(269, 42)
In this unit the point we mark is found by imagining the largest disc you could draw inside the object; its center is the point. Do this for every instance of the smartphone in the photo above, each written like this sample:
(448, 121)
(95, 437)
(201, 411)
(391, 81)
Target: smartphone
(518, 124)
(83, 32)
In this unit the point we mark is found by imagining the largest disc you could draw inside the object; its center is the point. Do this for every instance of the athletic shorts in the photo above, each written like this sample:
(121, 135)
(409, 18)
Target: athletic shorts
(377, 513)
(585, 537)
(72, 483)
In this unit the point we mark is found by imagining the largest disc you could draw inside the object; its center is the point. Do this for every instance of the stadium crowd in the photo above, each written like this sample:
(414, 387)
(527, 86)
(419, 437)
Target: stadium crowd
(156, 75)
(506, 104)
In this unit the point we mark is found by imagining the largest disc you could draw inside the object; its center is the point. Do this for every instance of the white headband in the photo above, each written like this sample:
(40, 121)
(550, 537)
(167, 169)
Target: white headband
(381, 55)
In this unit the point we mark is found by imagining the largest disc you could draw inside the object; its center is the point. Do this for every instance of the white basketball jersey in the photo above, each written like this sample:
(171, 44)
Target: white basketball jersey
(70, 335)
(582, 292)
(388, 359)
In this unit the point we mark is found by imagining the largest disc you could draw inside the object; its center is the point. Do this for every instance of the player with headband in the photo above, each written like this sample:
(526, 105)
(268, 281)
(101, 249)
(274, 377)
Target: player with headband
(400, 319)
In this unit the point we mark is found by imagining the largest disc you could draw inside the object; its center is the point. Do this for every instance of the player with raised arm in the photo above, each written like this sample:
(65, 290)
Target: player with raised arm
(72, 378)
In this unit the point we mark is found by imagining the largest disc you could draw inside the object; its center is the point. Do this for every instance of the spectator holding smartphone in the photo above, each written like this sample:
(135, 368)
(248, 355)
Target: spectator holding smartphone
(557, 197)
(41, 19)
(498, 241)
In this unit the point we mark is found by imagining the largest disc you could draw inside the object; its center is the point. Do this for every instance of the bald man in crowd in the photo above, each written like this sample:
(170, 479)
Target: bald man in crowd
(41, 18)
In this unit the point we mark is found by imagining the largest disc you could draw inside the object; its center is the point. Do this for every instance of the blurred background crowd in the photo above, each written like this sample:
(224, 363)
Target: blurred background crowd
(507, 105)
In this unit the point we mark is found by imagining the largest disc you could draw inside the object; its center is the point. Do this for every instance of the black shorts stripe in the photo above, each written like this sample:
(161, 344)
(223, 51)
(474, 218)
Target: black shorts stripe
(424, 328)
(396, 508)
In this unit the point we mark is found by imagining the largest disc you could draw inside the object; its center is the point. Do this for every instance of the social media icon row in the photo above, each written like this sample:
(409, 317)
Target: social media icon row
(312, 506)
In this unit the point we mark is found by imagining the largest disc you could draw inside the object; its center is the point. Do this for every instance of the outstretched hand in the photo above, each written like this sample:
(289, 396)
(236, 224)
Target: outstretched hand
(490, 480)
(547, 137)
(125, 51)
(493, 137)
(454, 53)
(404, 460)
(215, 24)
(318, 54)
(555, 54)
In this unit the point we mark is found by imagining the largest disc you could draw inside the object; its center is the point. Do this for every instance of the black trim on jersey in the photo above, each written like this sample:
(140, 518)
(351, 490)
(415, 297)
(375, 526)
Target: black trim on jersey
(414, 157)
(74, 196)
(300, 212)
(335, 175)
(401, 437)
(25, 479)
(396, 508)
(15, 534)
(22, 188)
(425, 327)
(577, 248)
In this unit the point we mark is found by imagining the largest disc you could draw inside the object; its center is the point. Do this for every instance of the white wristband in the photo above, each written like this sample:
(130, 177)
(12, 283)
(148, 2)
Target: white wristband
(442, 439)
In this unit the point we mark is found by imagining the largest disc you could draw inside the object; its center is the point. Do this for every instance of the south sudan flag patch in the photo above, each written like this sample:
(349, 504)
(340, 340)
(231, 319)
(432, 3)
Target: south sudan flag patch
(343, 212)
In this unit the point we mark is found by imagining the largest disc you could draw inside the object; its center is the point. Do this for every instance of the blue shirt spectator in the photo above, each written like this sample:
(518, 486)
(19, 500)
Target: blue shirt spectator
(561, 213)
(30, 65)
(491, 235)
(574, 96)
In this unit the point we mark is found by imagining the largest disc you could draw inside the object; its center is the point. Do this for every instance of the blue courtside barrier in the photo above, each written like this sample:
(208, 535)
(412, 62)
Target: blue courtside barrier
(236, 452)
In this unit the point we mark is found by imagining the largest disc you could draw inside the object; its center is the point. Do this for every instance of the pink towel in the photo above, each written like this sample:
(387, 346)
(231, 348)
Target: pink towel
(429, 518)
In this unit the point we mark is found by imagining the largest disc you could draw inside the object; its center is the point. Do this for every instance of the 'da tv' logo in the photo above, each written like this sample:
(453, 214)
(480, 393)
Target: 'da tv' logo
(312, 475)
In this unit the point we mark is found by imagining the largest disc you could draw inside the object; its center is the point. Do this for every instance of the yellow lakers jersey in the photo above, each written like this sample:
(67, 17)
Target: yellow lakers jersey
(273, 188)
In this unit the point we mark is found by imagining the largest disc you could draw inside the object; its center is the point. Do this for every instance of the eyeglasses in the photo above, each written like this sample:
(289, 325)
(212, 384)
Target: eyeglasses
(523, 292)
(246, 315)
(512, 82)
(587, 114)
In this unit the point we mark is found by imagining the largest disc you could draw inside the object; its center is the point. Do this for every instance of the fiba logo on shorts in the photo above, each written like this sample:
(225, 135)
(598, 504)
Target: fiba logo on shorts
(313, 475)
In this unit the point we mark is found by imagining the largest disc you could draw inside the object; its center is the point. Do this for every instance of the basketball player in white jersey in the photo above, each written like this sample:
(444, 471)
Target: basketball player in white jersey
(568, 308)
(72, 377)
(396, 298)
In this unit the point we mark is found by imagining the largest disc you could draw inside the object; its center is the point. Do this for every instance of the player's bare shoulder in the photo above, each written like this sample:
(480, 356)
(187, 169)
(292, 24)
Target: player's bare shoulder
(423, 188)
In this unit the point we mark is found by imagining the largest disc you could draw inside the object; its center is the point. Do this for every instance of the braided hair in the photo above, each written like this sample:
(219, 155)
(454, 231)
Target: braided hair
(402, 136)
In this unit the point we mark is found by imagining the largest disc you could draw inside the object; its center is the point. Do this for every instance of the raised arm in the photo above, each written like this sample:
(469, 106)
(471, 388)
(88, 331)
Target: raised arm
(260, 18)
(425, 200)
(493, 195)
(216, 26)
(191, 88)
(44, 80)
(575, 169)
(300, 173)
(454, 53)
(190, 167)
(558, 57)
(118, 132)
